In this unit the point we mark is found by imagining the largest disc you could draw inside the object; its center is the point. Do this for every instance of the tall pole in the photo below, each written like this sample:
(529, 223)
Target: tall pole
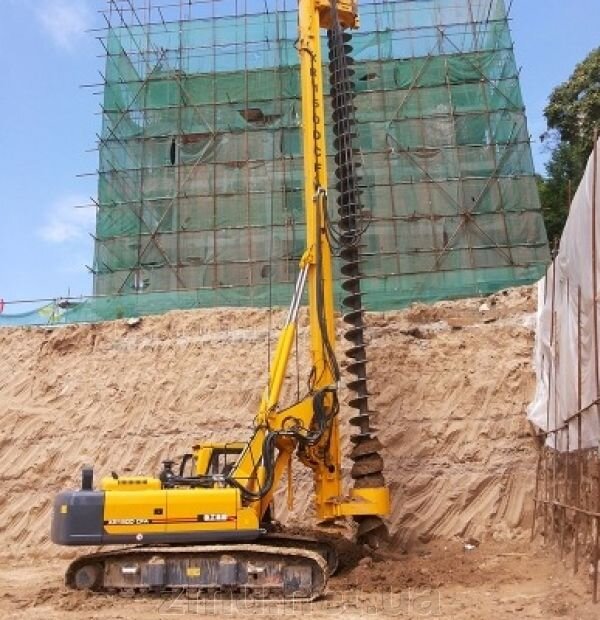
(320, 281)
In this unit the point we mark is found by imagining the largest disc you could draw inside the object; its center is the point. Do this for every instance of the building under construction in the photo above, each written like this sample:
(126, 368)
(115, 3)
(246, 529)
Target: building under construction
(200, 174)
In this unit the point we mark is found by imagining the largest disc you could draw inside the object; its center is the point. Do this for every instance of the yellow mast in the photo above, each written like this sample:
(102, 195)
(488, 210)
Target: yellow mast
(324, 457)
(315, 191)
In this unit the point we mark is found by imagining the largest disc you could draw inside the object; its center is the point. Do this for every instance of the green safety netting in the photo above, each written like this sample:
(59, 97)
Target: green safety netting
(200, 188)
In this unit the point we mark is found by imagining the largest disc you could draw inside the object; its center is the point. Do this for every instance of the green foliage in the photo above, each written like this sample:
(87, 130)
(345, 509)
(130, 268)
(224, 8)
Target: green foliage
(572, 115)
(553, 209)
(574, 107)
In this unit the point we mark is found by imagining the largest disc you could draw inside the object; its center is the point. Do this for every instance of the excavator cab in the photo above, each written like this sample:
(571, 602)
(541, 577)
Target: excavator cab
(211, 459)
(206, 466)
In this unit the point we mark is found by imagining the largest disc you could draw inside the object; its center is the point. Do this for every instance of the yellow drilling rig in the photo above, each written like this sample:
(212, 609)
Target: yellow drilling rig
(205, 525)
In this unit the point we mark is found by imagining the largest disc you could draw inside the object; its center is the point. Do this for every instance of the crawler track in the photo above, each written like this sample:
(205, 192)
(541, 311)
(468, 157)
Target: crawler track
(261, 571)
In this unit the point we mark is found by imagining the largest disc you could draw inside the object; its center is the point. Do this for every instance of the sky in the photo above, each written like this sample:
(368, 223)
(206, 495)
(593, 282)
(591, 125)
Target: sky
(49, 125)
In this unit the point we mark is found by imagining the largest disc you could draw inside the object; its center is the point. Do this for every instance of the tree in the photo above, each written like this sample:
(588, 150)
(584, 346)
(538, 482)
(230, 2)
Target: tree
(572, 116)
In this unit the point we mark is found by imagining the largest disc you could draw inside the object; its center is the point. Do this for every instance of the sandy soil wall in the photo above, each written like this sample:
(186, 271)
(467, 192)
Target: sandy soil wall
(450, 381)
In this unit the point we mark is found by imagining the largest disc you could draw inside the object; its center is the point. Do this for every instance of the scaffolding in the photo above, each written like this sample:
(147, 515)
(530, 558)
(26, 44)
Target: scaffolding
(200, 176)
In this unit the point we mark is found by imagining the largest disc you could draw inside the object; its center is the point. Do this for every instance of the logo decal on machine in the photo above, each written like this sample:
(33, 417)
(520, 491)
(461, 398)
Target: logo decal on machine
(212, 517)
(205, 518)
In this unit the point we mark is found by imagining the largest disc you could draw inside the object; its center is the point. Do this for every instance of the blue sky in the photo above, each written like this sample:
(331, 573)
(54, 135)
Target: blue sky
(48, 125)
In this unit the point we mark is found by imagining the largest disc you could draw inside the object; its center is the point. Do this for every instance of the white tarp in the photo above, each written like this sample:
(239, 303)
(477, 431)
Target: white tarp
(566, 358)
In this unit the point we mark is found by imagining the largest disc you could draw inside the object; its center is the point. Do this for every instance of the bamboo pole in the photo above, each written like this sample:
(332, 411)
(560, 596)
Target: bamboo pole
(595, 268)
(579, 463)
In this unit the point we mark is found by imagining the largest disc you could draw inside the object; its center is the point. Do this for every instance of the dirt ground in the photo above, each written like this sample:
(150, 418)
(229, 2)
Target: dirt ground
(450, 382)
(437, 580)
